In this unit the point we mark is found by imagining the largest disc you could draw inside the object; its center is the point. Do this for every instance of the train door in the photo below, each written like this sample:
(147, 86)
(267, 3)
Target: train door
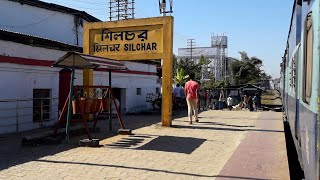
(295, 82)
(285, 85)
(318, 124)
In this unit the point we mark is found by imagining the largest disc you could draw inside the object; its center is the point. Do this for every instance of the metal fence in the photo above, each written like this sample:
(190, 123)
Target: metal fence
(16, 113)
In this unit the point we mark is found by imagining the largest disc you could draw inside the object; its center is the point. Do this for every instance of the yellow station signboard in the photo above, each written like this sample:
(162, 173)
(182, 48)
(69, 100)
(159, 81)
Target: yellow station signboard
(126, 41)
(134, 39)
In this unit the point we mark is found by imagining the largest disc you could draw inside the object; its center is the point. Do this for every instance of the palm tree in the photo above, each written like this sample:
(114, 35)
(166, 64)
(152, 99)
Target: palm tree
(180, 77)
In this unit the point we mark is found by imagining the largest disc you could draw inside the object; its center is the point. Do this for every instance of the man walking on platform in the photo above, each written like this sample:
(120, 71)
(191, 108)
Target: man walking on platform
(191, 92)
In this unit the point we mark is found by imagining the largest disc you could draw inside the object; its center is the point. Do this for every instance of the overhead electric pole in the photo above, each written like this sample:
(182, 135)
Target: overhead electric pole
(191, 44)
(121, 9)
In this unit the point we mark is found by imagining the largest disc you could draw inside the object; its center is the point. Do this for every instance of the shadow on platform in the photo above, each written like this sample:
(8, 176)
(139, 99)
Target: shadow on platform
(225, 129)
(12, 152)
(149, 169)
(185, 145)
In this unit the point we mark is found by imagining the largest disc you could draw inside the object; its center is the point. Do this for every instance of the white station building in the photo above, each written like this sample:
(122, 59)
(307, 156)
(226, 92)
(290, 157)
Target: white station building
(30, 42)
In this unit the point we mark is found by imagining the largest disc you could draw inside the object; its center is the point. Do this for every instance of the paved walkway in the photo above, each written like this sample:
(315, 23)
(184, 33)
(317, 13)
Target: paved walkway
(262, 154)
(198, 151)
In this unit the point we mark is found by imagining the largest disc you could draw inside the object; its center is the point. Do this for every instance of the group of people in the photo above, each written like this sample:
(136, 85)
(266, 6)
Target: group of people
(252, 103)
(198, 98)
(209, 100)
(178, 92)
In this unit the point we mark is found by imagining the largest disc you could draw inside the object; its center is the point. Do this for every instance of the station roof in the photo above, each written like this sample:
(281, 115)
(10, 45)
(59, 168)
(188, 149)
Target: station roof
(36, 41)
(85, 61)
(240, 86)
(59, 8)
(251, 87)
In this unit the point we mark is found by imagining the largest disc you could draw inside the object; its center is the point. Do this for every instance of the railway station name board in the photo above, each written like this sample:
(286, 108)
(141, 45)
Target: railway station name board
(135, 40)
(125, 41)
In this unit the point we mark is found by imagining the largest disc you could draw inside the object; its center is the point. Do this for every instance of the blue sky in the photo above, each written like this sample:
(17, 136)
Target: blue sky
(259, 27)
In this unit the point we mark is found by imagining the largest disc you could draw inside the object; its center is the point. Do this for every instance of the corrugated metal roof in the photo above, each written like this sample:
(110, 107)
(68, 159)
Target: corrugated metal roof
(36, 41)
(86, 61)
(59, 8)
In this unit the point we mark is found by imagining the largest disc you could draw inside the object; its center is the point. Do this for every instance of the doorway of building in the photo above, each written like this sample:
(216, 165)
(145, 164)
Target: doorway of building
(64, 86)
(117, 95)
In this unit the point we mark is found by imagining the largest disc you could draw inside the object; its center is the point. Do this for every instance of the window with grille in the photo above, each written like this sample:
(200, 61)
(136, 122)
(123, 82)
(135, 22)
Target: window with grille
(308, 59)
(41, 104)
(293, 70)
(293, 75)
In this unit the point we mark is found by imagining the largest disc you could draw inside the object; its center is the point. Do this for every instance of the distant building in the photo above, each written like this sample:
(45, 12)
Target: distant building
(269, 84)
(216, 54)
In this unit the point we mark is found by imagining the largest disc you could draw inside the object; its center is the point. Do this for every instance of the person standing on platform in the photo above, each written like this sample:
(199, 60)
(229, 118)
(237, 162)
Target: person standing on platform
(211, 99)
(176, 92)
(245, 101)
(206, 99)
(250, 103)
(191, 92)
(221, 97)
(258, 101)
(229, 102)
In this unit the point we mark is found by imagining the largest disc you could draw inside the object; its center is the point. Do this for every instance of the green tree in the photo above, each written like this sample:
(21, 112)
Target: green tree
(220, 84)
(174, 64)
(180, 77)
(247, 69)
(188, 67)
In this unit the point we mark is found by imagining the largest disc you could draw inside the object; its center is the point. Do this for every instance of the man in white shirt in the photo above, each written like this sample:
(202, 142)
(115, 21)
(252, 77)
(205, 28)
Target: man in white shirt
(229, 102)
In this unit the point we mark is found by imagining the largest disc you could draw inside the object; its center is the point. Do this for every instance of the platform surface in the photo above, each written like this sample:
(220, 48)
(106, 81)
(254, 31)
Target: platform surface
(223, 145)
(262, 154)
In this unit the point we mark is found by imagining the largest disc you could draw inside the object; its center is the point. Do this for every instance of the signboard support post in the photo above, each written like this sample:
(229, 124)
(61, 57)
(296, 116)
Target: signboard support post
(166, 115)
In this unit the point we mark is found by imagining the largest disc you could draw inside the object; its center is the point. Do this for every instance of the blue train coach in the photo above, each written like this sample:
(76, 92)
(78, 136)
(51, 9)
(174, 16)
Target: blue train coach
(300, 87)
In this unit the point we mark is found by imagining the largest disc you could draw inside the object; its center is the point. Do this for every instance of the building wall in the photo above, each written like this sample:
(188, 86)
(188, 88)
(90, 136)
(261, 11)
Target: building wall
(18, 81)
(14, 49)
(130, 83)
(39, 22)
(211, 53)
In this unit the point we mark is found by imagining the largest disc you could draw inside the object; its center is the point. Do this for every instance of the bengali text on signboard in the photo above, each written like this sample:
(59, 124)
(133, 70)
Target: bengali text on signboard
(126, 41)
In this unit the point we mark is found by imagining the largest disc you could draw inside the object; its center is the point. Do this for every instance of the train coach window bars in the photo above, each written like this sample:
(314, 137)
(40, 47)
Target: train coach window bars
(308, 58)
(293, 69)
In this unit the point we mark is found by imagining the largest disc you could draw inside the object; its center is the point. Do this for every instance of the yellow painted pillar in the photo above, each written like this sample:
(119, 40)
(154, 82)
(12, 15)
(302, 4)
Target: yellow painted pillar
(88, 78)
(87, 74)
(166, 116)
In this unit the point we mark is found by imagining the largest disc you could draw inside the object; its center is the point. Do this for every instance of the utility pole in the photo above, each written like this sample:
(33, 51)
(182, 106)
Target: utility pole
(191, 44)
(121, 9)
(163, 7)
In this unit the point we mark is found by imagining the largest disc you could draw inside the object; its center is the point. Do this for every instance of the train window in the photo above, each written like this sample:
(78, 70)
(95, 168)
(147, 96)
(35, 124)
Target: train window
(308, 58)
(293, 69)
